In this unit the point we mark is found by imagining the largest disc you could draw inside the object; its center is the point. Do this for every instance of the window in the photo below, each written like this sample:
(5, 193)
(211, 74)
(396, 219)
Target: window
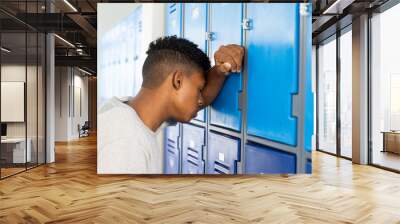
(346, 93)
(385, 88)
(327, 96)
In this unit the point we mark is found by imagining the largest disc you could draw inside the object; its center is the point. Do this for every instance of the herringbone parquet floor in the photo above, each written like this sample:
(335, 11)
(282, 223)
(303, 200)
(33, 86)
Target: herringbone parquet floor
(69, 191)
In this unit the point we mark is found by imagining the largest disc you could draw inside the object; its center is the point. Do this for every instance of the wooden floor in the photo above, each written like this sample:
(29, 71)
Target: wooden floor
(69, 191)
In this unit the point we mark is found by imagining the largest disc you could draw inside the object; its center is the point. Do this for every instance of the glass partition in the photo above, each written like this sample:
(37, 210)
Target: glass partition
(327, 96)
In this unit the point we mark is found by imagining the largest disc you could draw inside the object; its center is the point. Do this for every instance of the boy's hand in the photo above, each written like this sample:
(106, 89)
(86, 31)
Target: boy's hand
(229, 58)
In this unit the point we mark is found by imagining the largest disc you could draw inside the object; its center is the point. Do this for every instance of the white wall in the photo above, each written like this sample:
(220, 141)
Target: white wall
(68, 83)
(33, 126)
(153, 27)
(124, 79)
(15, 72)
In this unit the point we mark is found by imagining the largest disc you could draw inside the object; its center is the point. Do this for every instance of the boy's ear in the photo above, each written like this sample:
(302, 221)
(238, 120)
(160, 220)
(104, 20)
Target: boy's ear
(177, 79)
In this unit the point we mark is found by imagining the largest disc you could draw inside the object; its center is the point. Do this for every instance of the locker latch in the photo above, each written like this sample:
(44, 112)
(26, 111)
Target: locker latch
(246, 24)
(210, 36)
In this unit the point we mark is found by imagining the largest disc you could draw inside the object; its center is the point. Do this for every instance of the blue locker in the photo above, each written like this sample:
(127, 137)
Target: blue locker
(174, 19)
(223, 154)
(172, 150)
(273, 55)
(266, 160)
(195, 27)
(309, 166)
(193, 142)
(224, 111)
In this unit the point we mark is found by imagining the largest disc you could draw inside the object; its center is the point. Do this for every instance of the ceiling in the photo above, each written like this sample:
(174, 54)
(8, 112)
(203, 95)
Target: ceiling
(329, 16)
(76, 22)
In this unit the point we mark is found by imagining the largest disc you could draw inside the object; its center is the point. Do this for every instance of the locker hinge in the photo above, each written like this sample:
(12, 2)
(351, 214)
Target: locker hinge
(247, 24)
(240, 100)
(295, 105)
(210, 36)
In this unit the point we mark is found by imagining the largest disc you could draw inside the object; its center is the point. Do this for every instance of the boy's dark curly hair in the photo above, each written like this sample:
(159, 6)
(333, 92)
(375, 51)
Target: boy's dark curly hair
(166, 54)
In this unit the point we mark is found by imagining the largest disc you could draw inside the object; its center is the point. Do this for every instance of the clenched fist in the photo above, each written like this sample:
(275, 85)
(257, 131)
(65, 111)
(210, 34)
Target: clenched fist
(229, 58)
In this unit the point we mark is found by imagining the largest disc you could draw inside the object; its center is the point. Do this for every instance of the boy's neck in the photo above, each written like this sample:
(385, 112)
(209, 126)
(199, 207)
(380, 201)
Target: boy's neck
(150, 107)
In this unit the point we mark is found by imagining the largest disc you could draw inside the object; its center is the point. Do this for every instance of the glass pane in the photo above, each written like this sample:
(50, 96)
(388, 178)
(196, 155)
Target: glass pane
(13, 87)
(385, 112)
(41, 98)
(31, 100)
(346, 94)
(327, 97)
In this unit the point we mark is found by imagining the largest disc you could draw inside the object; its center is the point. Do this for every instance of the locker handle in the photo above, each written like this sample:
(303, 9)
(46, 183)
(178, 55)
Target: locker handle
(247, 24)
(178, 140)
(202, 153)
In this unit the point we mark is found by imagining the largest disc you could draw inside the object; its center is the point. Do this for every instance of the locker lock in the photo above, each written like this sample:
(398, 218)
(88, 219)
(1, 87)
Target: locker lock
(246, 24)
(210, 36)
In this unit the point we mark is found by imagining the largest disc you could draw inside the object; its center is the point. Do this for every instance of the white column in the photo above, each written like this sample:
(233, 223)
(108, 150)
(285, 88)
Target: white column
(360, 90)
(50, 93)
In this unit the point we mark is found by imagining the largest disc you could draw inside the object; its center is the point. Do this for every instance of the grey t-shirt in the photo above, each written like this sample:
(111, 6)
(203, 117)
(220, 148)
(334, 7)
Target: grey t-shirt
(125, 145)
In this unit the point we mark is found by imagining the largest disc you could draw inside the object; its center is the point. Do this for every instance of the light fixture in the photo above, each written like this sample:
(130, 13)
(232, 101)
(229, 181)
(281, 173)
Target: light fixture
(5, 50)
(84, 71)
(70, 5)
(337, 7)
(64, 40)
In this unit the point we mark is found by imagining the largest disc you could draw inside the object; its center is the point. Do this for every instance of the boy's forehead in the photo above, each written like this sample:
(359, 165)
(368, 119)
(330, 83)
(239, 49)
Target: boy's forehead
(199, 76)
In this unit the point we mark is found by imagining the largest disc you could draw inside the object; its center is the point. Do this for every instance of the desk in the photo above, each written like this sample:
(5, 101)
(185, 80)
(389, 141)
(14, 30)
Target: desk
(391, 141)
(17, 150)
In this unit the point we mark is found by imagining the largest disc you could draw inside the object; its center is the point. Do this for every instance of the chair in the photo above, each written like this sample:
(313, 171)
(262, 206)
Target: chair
(84, 130)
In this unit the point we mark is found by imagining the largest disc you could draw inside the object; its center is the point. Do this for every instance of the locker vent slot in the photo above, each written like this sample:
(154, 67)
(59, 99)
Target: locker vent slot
(191, 162)
(193, 150)
(220, 172)
(193, 156)
(221, 168)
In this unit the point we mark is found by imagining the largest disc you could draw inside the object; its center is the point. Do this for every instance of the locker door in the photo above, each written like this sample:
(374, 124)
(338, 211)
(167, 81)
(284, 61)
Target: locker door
(192, 149)
(224, 111)
(266, 160)
(309, 166)
(172, 150)
(223, 154)
(195, 27)
(273, 48)
(174, 19)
